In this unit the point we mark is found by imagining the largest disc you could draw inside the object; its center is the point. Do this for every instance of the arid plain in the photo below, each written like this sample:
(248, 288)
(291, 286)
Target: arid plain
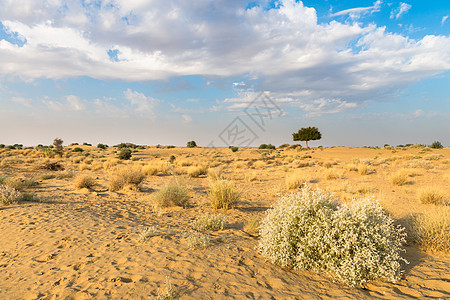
(75, 234)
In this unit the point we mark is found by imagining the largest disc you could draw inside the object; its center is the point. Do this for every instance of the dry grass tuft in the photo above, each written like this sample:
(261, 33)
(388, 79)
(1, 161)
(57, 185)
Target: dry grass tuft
(223, 194)
(196, 171)
(363, 169)
(84, 181)
(399, 178)
(296, 180)
(431, 196)
(215, 173)
(125, 176)
(173, 194)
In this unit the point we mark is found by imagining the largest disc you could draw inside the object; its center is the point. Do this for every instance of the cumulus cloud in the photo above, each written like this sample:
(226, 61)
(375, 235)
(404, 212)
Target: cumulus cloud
(143, 105)
(284, 50)
(400, 11)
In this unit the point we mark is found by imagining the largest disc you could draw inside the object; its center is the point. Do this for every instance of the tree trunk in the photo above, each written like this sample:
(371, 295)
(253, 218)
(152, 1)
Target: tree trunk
(307, 144)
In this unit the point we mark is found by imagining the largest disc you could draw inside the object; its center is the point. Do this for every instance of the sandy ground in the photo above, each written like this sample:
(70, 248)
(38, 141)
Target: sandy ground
(82, 244)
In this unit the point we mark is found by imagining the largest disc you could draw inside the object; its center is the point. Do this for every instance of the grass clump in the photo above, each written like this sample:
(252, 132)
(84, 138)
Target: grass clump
(84, 181)
(9, 195)
(131, 176)
(173, 194)
(209, 222)
(223, 194)
(215, 173)
(431, 230)
(196, 171)
(198, 240)
(431, 196)
(295, 180)
(352, 243)
(399, 178)
(251, 226)
(147, 233)
(46, 176)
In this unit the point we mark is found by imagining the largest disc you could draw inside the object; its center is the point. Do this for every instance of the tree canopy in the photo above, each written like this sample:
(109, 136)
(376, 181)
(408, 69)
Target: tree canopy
(307, 134)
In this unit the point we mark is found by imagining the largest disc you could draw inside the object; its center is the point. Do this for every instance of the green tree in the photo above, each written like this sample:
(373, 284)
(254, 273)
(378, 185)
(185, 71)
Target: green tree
(57, 146)
(436, 145)
(191, 144)
(307, 134)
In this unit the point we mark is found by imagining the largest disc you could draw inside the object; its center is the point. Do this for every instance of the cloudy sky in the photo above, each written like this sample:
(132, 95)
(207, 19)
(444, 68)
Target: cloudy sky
(224, 72)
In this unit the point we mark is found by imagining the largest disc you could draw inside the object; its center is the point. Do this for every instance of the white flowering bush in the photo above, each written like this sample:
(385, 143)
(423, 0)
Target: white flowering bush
(8, 195)
(351, 243)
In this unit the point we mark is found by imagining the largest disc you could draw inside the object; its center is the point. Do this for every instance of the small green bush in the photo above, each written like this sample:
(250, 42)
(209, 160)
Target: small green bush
(191, 144)
(234, 149)
(352, 243)
(436, 145)
(209, 222)
(125, 154)
(77, 149)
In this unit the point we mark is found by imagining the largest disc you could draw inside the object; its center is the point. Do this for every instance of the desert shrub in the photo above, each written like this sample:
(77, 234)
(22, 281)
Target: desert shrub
(431, 196)
(102, 146)
(331, 174)
(436, 145)
(120, 177)
(223, 194)
(125, 154)
(17, 183)
(270, 146)
(209, 222)
(295, 180)
(77, 149)
(431, 230)
(234, 148)
(363, 169)
(399, 178)
(191, 144)
(196, 171)
(352, 243)
(84, 181)
(146, 233)
(198, 240)
(150, 170)
(173, 194)
(8, 195)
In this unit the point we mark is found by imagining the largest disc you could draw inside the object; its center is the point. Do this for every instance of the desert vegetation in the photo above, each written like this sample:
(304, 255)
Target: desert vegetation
(349, 216)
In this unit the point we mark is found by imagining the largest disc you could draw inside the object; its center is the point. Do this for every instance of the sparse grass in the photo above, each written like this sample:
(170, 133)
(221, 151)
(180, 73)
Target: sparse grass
(223, 194)
(150, 170)
(209, 222)
(260, 164)
(251, 226)
(363, 169)
(215, 173)
(196, 171)
(122, 176)
(431, 230)
(332, 174)
(47, 176)
(84, 181)
(399, 178)
(168, 294)
(173, 194)
(65, 174)
(431, 195)
(296, 179)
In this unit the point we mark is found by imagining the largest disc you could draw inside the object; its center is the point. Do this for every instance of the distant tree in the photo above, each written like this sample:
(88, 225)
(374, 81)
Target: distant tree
(191, 144)
(307, 134)
(102, 146)
(57, 146)
(436, 145)
(125, 154)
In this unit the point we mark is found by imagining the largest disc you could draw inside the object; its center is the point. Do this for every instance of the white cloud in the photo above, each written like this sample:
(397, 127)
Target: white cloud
(186, 119)
(143, 105)
(70, 103)
(24, 101)
(401, 10)
(356, 12)
(444, 18)
(285, 50)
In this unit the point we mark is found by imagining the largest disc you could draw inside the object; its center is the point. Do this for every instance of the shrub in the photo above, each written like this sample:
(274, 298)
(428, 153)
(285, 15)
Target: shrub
(8, 195)
(102, 146)
(270, 146)
(84, 181)
(223, 194)
(209, 222)
(399, 178)
(363, 169)
(77, 149)
(431, 196)
(57, 146)
(196, 171)
(234, 149)
(191, 144)
(126, 176)
(125, 154)
(352, 243)
(173, 194)
(436, 145)
(198, 240)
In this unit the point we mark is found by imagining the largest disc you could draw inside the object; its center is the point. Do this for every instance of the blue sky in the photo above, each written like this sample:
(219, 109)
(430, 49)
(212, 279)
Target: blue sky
(165, 72)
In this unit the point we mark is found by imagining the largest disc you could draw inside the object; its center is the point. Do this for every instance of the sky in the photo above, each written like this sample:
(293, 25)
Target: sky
(224, 72)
